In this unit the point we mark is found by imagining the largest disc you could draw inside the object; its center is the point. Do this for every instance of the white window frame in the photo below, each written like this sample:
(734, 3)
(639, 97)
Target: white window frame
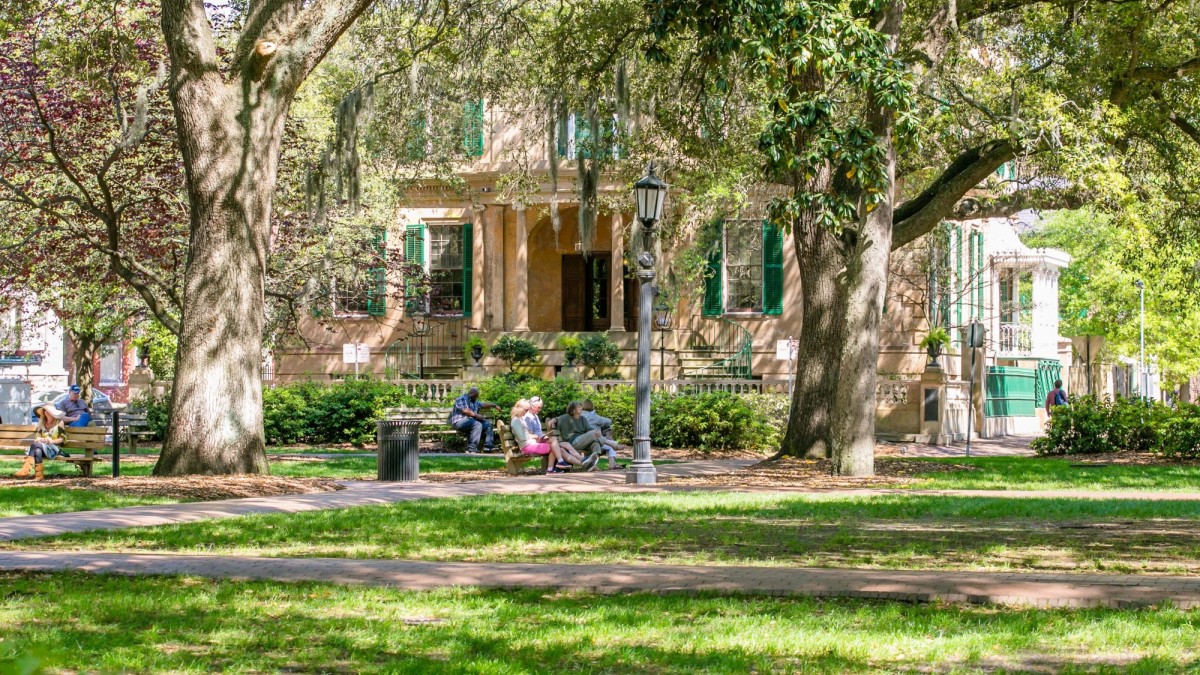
(456, 226)
(725, 277)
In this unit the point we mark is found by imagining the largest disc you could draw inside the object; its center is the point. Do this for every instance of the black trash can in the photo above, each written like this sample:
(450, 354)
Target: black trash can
(399, 445)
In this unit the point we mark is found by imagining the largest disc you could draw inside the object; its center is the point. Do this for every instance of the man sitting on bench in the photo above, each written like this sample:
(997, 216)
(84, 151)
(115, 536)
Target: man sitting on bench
(466, 420)
(76, 409)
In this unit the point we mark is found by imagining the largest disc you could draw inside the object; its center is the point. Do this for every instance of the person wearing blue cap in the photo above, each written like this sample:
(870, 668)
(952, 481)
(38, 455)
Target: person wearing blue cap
(76, 409)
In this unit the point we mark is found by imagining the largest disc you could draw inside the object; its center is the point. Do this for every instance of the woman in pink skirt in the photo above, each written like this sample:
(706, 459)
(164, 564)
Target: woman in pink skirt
(531, 444)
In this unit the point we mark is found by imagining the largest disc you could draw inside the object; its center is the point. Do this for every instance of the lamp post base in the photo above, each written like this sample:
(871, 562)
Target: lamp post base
(641, 474)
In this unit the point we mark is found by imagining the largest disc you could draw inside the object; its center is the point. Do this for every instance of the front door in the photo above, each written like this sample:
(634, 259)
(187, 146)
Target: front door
(586, 293)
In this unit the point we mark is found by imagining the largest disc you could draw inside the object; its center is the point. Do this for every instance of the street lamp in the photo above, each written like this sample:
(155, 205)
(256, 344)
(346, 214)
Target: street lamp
(421, 329)
(662, 319)
(1142, 341)
(650, 192)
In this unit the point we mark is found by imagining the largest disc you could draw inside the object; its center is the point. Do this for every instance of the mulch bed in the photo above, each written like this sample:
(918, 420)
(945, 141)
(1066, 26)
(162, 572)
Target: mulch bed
(1127, 458)
(794, 472)
(193, 488)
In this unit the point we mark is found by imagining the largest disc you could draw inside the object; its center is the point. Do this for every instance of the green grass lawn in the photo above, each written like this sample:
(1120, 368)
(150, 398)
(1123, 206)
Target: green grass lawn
(70, 623)
(34, 500)
(711, 528)
(1037, 473)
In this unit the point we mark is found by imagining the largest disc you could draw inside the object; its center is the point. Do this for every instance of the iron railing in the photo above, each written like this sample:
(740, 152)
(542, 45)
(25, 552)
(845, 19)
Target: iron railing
(440, 353)
(729, 345)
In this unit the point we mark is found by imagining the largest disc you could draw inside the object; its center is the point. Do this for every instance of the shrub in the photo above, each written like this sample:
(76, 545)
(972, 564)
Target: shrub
(515, 351)
(506, 389)
(773, 410)
(158, 412)
(1180, 435)
(570, 346)
(346, 412)
(471, 343)
(597, 351)
(618, 403)
(1083, 427)
(710, 421)
(285, 418)
(1089, 425)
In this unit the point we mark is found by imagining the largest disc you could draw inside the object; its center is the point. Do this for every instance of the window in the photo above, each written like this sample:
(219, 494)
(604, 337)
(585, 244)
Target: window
(445, 269)
(362, 290)
(111, 361)
(444, 252)
(575, 137)
(743, 267)
(745, 271)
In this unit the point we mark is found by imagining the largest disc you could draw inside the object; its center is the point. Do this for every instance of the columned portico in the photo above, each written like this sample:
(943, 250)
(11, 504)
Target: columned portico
(617, 278)
(521, 278)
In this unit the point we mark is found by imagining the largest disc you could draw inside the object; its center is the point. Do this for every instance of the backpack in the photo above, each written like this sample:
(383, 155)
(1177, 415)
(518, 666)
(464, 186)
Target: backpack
(1060, 397)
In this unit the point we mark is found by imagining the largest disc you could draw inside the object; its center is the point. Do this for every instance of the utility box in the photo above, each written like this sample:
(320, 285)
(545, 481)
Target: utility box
(16, 398)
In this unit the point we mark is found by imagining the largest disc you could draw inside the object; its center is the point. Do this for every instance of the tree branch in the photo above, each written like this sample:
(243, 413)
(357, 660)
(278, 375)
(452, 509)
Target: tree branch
(189, 37)
(922, 213)
(1165, 73)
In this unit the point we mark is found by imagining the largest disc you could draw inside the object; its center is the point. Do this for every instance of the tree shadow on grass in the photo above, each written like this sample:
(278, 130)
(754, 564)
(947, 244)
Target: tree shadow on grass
(153, 624)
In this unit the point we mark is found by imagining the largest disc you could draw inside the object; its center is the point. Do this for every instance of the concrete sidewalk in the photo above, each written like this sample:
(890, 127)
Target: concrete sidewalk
(1040, 590)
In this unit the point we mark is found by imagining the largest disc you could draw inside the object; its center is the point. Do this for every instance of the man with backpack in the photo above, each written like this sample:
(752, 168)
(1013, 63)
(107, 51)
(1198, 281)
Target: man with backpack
(1056, 397)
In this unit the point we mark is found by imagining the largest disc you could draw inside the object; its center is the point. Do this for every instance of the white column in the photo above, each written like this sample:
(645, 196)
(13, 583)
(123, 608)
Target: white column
(616, 304)
(521, 296)
(493, 216)
(479, 263)
(1045, 312)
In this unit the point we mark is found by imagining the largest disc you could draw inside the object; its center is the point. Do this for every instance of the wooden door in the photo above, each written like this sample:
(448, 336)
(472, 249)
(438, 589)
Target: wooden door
(574, 293)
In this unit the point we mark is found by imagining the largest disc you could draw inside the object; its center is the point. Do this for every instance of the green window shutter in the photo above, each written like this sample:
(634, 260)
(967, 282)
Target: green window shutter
(473, 128)
(377, 292)
(714, 300)
(414, 256)
(979, 275)
(772, 269)
(583, 136)
(563, 128)
(468, 247)
(971, 280)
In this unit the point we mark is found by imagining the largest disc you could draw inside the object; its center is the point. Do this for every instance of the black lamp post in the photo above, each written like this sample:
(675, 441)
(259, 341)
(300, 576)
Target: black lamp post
(421, 330)
(662, 319)
(649, 193)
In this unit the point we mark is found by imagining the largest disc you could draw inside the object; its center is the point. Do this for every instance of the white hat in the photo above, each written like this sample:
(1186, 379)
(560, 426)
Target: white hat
(53, 411)
(536, 400)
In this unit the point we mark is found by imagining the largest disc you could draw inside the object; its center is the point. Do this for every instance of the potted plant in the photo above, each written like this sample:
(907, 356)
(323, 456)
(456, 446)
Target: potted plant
(515, 351)
(570, 346)
(598, 352)
(934, 343)
(476, 347)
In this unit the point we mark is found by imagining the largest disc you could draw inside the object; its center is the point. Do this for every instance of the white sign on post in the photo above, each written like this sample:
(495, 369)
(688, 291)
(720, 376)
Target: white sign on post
(785, 350)
(356, 353)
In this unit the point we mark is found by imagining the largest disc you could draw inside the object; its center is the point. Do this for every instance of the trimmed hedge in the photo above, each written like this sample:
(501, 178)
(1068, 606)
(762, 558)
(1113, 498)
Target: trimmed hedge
(1090, 425)
(346, 412)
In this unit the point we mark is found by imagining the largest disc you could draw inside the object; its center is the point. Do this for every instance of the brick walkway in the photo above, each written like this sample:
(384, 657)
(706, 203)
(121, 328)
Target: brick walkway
(368, 493)
(1041, 590)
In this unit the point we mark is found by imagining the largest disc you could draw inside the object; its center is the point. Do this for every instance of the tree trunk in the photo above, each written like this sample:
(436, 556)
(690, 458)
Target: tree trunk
(84, 356)
(230, 140)
(809, 432)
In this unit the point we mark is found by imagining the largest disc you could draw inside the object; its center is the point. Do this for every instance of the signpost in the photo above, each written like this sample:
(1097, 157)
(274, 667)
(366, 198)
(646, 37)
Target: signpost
(356, 353)
(787, 350)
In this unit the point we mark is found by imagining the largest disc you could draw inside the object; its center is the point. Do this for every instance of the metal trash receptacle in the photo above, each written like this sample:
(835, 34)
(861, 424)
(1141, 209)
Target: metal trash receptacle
(399, 447)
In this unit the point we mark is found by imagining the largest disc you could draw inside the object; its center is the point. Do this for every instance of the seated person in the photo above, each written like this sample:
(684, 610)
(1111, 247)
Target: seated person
(534, 424)
(47, 441)
(602, 423)
(466, 420)
(532, 444)
(77, 411)
(574, 429)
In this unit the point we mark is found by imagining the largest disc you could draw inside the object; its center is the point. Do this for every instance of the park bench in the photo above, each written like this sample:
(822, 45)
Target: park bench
(87, 439)
(433, 423)
(134, 428)
(514, 459)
